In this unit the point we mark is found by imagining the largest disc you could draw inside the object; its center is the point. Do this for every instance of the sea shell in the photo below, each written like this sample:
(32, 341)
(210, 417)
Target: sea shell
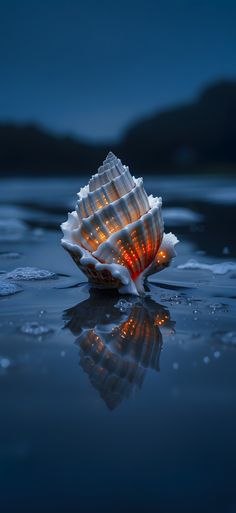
(118, 341)
(116, 234)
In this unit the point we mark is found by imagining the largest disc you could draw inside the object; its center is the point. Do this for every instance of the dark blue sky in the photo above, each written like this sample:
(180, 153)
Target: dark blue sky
(90, 67)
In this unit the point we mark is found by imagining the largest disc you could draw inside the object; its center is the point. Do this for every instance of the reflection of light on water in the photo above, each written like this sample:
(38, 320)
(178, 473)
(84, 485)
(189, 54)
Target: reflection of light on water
(117, 346)
(161, 320)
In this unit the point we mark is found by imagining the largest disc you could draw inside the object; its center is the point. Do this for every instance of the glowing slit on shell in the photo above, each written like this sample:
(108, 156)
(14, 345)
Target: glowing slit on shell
(161, 256)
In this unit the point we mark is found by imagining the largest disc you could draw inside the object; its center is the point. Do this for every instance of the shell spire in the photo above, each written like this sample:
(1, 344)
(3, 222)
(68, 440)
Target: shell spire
(116, 234)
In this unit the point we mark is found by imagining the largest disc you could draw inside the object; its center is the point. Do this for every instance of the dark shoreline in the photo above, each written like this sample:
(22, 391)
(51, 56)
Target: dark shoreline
(197, 137)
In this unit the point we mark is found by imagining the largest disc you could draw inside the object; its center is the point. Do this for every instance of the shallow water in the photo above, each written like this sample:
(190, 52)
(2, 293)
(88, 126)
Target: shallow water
(117, 404)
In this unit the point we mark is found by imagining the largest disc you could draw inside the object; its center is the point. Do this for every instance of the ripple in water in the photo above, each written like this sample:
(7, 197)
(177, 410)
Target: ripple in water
(35, 329)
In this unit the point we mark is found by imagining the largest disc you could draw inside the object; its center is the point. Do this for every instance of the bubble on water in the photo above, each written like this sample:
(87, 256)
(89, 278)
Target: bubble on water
(216, 354)
(35, 329)
(29, 273)
(41, 313)
(221, 268)
(123, 305)
(174, 299)
(7, 289)
(218, 307)
(5, 363)
(175, 366)
(63, 353)
(229, 338)
(206, 360)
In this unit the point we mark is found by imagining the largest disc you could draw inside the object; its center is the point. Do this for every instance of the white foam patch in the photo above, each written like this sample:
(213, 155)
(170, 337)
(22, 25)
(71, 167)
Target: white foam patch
(221, 268)
(7, 289)
(29, 273)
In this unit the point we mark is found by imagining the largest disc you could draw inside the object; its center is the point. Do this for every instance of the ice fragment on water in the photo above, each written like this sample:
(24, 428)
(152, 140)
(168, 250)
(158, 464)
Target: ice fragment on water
(7, 289)
(30, 273)
(221, 268)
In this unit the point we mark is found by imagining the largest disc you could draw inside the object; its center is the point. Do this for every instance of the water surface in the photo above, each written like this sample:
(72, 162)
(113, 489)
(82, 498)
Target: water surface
(114, 405)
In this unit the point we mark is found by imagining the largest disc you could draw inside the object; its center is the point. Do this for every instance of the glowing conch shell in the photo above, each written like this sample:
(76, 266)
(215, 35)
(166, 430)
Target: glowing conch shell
(115, 235)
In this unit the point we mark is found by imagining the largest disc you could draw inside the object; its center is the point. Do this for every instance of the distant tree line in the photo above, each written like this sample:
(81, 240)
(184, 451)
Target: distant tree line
(198, 136)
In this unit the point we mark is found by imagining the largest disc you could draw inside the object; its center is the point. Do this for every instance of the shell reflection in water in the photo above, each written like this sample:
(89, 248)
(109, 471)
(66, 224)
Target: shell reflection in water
(117, 343)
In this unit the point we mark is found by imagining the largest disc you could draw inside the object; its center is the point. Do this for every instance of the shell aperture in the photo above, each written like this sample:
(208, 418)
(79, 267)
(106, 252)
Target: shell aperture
(116, 234)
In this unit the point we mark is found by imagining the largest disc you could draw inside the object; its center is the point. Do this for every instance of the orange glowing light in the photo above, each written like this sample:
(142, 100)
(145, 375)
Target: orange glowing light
(160, 321)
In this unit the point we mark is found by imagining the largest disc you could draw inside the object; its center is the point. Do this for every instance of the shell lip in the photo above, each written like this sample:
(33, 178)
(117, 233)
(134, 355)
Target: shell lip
(86, 258)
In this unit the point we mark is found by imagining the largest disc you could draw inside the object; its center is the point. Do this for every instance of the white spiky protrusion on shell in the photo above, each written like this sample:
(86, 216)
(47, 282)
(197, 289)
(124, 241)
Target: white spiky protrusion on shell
(115, 235)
